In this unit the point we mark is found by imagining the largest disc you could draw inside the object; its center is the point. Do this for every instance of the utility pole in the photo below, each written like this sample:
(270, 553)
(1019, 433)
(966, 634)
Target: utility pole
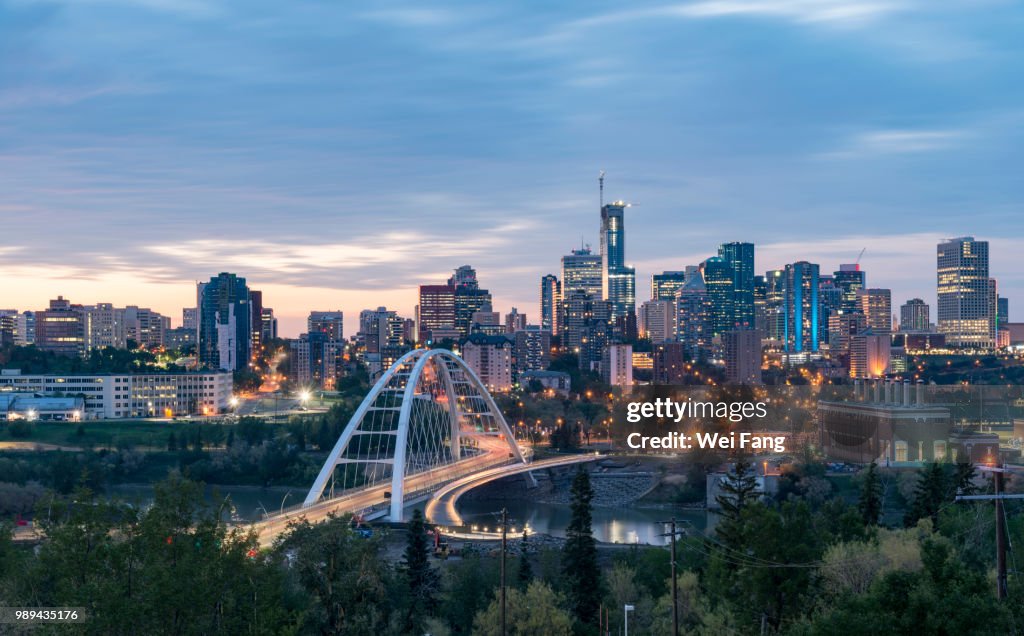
(675, 583)
(1001, 542)
(504, 543)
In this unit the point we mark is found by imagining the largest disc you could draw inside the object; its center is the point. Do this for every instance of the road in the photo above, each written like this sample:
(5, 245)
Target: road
(372, 503)
(442, 507)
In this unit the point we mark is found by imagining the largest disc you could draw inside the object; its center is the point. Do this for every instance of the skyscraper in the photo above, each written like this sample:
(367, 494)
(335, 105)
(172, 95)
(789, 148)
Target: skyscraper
(61, 328)
(742, 356)
(693, 315)
(618, 282)
(435, 313)
(800, 308)
(665, 285)
(849, 279)
(550, 303)
(657, 319)
(830, 297)
(718, 281)
(963, 285)
(330, 323)
(876, 305)
(1002, 310)
(581, 270)
(740, 257)
(775, 305)
(224, 324)
(914, 316)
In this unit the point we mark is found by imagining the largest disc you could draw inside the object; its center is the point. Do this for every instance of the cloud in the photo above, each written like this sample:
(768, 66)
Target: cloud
(897, 142)
(412, 17)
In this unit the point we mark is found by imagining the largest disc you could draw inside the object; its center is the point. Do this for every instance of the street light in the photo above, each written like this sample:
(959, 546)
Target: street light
(626, 609)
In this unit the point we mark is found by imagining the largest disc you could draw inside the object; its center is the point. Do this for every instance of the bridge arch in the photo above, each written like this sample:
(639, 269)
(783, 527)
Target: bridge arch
(426, 416)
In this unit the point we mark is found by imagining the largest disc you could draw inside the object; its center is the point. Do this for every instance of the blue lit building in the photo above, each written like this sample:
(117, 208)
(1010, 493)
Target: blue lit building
(801, 308)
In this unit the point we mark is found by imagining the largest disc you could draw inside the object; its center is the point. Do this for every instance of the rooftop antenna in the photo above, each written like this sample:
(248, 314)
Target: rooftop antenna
(600, 182)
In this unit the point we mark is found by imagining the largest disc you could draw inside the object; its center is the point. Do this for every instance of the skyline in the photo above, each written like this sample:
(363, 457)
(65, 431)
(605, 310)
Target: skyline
(303, 148)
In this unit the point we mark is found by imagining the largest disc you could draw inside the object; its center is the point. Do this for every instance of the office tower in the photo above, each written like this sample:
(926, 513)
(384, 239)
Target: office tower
(330, 323)
(581, 270)
(550, 303)
(740, 258)
(830, 301)
(514, 321)
(742, 356)
(963, 293)
(618, 282)
(870, 355)
(268, 324)
(693, 316)
(409, 331)
(435, 312)
(1002, 311)
(190, 318)
(486, 322)
(224, 322)
(657, 320)
(26, 330)
(60, 329)
(587, 327)
(914, 316)
(800, 308)
(316, 360)
(718, 281)
(256, 316)
(993, 310)
(850, 279)
(464, 276)
(490, 357)
(665, 285)
(761, 305)
(876, 305)
(144, 326)
(775, 305)
(841, 328)
(617, 365)
(8, 326)
(467, 299)
(532, 349)
(104, 326)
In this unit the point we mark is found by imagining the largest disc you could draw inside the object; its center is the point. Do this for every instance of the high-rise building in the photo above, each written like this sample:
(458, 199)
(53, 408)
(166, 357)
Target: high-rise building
(617, 365)
(718, 281)
(830, 300)
(490, 357)
(742, 356)
(145, 326)
(26, 333)
(618, 282)
(693, 315)
(841, 328)
(256, 316)
(550, 303)
(435, 312)
(532, 349)
(665, 285)
(268, 324)
(104, 326)
(740, 257)
(581, 271)
(915, 316)
(316, 360)
(775, 306)
(870, 355)
(1002, 310)
(487, 322)
(330, 323)
(850, 279)
(669, 360)
(468, 299)
(876, 305)
(514, 321)
(190, 318)
(8, 326)
(800, 308)
(380, 330)
(60, 328)
(657, 320)
(963, 285)
(225, 328)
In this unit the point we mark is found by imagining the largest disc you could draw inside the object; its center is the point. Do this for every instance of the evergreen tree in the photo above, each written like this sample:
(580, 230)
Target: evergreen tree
(929, 495)
(963, 479)
(579, 556)
(739, 490)
(525, 573)
(421, 579)
(870, 503)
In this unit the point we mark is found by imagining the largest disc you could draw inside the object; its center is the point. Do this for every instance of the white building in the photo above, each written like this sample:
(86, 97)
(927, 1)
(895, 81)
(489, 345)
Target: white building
(617, 365)
(742, 356)
(131, 395)
(657, 321)
(490, 357)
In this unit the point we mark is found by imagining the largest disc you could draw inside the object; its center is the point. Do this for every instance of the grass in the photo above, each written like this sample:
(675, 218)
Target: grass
(98, 433)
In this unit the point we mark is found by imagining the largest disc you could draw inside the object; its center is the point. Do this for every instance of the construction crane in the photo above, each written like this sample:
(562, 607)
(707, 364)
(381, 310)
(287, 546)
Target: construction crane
(859, 256)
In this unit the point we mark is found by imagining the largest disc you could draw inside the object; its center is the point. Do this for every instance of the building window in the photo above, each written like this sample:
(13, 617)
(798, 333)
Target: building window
(901, 451)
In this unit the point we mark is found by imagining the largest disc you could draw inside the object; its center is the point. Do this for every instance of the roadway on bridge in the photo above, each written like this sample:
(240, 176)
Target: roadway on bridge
(442, 508)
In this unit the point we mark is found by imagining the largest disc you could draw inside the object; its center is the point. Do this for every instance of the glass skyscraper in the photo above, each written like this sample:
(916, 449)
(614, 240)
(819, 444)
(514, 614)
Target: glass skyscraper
(224, 330)
(550, 303)
(850, 279)
(665, 285)
(618, 282)
(740, 257)
(965, 308)
(718, 280)
(801, 306)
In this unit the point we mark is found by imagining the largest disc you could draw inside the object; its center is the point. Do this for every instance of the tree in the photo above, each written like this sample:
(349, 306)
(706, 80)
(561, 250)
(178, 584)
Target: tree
(525, 573)
(963, 479)
(870, 502)
(535, 612)
(929, 495)
(739, 490)
(579, 556)
(421, 579)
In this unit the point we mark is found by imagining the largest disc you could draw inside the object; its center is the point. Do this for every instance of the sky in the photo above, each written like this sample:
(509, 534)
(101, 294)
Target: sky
(338, 155)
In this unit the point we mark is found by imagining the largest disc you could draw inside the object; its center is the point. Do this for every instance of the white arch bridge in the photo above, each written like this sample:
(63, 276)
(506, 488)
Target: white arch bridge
(426, 422)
